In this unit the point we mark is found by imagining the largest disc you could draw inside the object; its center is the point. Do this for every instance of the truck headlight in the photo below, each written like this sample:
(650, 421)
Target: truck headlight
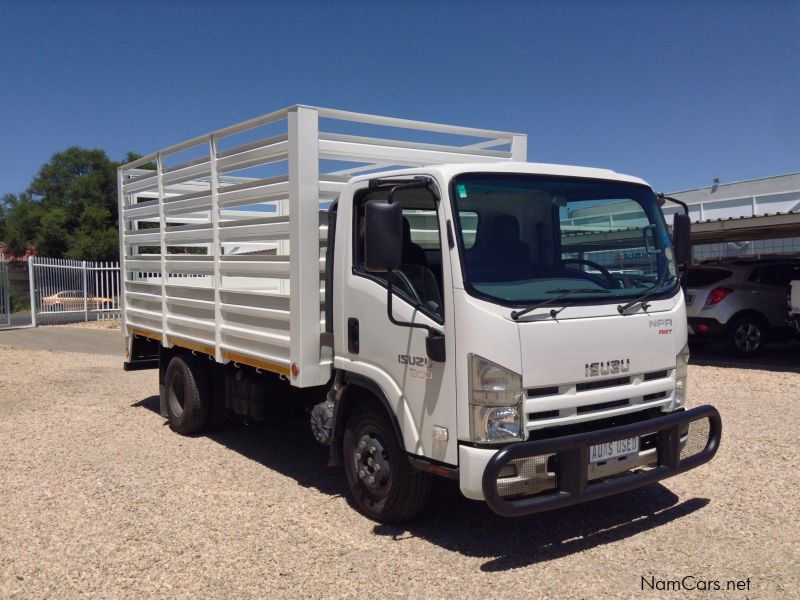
(681, 376)
(495, 402)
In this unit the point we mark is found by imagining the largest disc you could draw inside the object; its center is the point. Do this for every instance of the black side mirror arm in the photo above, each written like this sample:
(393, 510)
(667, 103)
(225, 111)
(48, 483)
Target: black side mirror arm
(434, 343)
(681, 203)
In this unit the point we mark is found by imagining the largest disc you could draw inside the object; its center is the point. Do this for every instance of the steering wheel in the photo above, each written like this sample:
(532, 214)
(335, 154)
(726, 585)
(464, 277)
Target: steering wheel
(603, 271)
(406, 284)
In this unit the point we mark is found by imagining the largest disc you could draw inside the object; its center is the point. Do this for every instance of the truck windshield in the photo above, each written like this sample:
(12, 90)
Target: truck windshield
(523, 236)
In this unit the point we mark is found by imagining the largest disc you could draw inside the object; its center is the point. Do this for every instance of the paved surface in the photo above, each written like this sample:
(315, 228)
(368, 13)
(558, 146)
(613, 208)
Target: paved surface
(71, 339)
(53, 318)
(99, 498)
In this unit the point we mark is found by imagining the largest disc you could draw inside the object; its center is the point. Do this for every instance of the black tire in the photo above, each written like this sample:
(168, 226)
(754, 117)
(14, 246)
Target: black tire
(397, 492)
(187, 392)
(746, 335)
(58, 308)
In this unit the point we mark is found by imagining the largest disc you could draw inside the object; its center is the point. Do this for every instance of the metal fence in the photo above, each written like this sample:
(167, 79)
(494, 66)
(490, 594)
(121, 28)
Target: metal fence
(67, 291)
(5, 294)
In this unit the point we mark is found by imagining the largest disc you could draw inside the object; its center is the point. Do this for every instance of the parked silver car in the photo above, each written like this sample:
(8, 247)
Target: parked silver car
(742, 302)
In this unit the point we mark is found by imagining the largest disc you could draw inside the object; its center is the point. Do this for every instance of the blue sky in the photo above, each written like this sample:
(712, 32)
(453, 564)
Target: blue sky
(677, 93)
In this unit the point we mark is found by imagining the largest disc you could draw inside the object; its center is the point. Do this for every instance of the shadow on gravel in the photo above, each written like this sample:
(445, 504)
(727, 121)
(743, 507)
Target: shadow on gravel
(283, 444)
(470, 528)
(150, 403)
(451, 521)
(777, 357)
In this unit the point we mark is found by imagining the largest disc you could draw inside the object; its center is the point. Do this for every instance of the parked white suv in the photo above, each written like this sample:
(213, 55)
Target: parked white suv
(742, 302)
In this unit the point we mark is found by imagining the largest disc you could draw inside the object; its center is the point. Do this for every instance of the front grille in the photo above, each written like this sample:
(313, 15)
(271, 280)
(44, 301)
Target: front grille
(571, 401)
(545, 414)
(655, 375)
(597, 424)
(604, 383)
(543, 391)
(602, 406)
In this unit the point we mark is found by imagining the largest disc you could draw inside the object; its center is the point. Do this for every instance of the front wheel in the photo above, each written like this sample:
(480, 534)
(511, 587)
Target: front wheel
(382, 482)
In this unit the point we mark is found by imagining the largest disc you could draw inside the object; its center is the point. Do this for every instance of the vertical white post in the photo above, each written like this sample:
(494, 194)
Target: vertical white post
(162, 222)
(519, 148)
(32, 287)
(85, 293)
(304, 315)
(282, 210)
(123, 228)
(215, 246)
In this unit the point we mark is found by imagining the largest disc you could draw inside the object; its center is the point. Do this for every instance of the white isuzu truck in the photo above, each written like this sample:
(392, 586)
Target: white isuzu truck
(440, 306)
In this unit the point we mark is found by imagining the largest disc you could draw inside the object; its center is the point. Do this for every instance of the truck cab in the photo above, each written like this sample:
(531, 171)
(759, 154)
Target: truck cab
(557, 295)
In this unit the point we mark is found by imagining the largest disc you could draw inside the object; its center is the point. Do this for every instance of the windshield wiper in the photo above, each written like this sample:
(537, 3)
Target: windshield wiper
(648, 293)
(516, 314)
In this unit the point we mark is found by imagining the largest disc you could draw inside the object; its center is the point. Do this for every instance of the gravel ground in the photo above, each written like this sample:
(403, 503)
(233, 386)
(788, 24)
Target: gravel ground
(113, 325)
(99, 497)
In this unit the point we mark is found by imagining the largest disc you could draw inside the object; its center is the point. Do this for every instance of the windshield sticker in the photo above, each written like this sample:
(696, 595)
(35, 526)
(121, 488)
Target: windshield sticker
(462, 190)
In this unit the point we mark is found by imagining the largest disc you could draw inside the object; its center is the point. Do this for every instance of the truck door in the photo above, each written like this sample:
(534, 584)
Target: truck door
(421, 392)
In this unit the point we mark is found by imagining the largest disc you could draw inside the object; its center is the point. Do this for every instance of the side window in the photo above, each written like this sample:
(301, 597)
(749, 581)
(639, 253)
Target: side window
(786, 274)
(419, 278)
(776, 275)
(755, 275)
(773, 275)
(469, 227)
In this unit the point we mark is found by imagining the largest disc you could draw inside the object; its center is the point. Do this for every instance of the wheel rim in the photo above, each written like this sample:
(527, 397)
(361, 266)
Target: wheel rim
(176, 396)
(748, 337)
(371, 464)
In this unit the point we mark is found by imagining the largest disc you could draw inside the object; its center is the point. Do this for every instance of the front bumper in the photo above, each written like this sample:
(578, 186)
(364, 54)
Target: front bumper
(562, 475)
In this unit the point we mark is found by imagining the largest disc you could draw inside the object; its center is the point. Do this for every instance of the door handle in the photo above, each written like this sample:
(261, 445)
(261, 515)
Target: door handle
(352, 335)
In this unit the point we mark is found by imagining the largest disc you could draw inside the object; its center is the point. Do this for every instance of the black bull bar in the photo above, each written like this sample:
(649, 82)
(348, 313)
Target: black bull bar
(571, 461)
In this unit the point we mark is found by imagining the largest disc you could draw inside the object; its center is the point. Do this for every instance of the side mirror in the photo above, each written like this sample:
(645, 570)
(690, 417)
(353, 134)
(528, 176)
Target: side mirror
(383, 249)
(682, 239)
(435, 346)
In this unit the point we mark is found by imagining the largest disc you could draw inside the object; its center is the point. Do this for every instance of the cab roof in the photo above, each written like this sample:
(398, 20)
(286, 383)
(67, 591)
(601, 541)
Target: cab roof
(447, 172)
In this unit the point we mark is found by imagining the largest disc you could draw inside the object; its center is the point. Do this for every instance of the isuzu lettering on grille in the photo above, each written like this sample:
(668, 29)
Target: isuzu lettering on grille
(610, 367)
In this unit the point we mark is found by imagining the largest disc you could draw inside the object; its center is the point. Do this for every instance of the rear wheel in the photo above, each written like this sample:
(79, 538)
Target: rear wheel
(747, 335)
(382, 482)
(187, 395)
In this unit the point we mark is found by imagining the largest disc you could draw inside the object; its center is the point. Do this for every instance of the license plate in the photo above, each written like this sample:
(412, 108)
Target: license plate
(615, 449)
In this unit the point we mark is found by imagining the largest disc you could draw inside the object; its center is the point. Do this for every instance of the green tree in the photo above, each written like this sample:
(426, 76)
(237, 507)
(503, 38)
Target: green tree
(74, 180)
(69, 209)
(96, 238)
(23, 217)
(52, 238)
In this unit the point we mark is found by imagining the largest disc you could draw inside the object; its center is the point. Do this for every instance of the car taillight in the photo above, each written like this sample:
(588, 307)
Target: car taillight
(717, 295)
